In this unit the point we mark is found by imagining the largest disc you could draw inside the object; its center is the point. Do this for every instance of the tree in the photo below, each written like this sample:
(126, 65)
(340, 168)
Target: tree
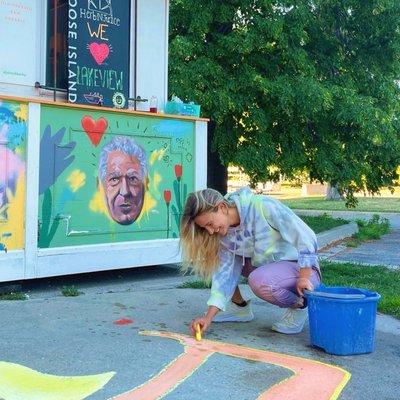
(295, 86)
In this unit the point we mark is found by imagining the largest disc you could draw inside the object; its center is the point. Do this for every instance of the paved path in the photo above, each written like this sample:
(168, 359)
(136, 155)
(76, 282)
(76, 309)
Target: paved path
(385, 251)
(79, 337)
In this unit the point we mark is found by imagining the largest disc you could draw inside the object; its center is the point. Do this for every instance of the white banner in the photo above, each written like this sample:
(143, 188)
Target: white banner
(18, 41)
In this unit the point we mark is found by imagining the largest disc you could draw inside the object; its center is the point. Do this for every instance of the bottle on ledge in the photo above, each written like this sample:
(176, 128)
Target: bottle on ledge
(153, 104)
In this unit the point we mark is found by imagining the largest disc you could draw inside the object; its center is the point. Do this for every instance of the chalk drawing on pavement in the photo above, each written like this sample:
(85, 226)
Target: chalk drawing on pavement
(18, 382)
(311, 380)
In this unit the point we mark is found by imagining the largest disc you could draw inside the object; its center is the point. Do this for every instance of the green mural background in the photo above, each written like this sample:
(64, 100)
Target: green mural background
(72, 209)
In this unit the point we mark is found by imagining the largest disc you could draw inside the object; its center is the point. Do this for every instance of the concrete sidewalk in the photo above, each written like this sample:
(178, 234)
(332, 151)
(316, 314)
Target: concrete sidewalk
(78, 336)
(385, 251)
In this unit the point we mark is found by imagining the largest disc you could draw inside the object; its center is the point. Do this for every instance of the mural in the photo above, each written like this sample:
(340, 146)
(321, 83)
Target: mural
(13, 130)
(111, 177)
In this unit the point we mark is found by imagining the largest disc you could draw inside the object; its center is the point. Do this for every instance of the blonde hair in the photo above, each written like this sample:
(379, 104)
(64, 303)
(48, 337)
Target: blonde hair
(200, 250)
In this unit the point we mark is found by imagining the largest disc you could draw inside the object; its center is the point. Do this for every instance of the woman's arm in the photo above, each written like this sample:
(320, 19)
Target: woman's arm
(293, 230)
(225, 279)
(224, 283)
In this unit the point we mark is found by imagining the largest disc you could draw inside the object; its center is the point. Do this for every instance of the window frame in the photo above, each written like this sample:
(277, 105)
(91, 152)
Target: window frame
(38, 67)
(132, 48)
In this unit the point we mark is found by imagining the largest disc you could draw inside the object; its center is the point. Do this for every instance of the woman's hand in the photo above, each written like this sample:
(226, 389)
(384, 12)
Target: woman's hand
(302, 284)
(204, 323)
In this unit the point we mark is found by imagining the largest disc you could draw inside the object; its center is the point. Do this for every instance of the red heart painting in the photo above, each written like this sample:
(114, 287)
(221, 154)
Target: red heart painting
(99, 51)
(94, 129)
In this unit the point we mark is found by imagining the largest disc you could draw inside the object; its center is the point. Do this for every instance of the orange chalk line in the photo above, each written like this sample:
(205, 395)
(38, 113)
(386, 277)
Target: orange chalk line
(171, 376)
(327, 377)
(302, 367)
(313, 380)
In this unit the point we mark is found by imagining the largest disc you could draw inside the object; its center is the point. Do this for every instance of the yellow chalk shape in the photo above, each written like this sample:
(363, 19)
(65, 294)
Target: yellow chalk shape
(198, 332)
(21, 383)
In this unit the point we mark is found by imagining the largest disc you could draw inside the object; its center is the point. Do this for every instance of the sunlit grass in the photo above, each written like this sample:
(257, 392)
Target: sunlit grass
(321, 223)
(371, 204)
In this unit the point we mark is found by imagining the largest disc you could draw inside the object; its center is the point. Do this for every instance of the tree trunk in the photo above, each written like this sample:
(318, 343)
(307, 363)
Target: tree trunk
(333, 194)
(217, 173)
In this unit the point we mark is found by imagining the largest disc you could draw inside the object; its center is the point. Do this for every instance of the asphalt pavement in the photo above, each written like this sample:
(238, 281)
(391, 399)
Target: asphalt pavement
(114, 327)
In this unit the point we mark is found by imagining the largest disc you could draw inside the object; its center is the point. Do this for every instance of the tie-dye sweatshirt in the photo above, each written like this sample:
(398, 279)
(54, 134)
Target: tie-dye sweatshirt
(268, 231)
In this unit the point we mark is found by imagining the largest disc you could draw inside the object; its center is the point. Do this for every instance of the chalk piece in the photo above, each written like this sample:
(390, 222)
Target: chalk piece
(198, 332)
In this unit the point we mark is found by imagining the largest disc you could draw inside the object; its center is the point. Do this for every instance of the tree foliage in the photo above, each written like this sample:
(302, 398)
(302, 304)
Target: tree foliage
(295, 86)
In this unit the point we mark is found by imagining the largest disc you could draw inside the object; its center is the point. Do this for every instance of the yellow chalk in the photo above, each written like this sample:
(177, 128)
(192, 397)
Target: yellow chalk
(198, 332)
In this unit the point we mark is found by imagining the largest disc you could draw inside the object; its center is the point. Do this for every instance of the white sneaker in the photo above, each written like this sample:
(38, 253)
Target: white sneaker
(234, 313)
(292, 321)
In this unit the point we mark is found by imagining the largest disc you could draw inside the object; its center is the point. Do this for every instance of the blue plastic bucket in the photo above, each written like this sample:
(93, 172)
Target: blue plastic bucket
(342, 319)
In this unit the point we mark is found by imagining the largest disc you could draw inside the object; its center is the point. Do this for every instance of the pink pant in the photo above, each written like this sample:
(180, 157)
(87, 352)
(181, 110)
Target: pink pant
(276, 282)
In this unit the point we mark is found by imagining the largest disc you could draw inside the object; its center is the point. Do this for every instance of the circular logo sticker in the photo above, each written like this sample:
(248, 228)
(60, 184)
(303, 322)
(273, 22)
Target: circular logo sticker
(119, 100)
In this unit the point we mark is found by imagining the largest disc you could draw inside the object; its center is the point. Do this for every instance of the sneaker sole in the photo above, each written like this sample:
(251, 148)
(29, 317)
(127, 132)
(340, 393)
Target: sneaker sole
(234, 320)
(286, 332)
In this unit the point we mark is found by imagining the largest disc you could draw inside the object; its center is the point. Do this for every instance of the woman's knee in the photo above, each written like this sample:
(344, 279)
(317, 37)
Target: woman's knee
(260, 277)
(253, 280)
(270, 289)
(265, 291)
(260, 284)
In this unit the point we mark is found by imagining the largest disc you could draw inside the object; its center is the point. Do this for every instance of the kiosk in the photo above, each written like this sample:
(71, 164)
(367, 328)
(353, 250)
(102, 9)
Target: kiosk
(90, 180)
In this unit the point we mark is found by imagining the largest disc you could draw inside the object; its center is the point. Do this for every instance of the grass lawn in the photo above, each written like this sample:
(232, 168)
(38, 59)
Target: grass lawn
(323, 222)
(372, 204)
(378, 279)
(369, 230)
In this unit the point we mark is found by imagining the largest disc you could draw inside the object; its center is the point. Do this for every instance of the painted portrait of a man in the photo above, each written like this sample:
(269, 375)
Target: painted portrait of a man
(123, 174)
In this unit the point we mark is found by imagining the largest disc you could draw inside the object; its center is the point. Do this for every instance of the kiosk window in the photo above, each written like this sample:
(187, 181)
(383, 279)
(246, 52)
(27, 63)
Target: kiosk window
(88, 50)
(57, 45)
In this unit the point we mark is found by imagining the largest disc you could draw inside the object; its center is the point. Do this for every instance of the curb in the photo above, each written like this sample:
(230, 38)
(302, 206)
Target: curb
(333, 235)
